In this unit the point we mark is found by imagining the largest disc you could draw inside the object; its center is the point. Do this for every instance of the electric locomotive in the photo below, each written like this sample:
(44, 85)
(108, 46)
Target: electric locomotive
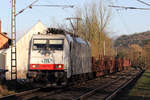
(58, 56)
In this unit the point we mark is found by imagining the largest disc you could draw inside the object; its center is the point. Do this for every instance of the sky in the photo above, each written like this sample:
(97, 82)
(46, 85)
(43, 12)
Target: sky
(130, 21)
(122, 21)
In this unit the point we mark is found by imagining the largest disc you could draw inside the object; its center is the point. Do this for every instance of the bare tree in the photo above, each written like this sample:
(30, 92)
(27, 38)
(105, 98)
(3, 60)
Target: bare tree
(93, 26)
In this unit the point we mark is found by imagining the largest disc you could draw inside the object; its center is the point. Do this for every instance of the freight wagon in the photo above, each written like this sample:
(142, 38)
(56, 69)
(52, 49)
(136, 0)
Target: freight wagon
(105, 65)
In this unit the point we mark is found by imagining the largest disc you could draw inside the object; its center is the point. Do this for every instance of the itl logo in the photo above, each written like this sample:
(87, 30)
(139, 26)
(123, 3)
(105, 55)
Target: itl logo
(46, 60)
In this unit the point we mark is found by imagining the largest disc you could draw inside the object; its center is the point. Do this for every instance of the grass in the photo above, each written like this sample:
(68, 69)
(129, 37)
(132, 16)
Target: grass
(4, 91)
(10, 87)
(141, 91)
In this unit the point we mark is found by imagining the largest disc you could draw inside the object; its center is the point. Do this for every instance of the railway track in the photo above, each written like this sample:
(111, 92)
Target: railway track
(108, 91)
(104, 88)
(32, 94)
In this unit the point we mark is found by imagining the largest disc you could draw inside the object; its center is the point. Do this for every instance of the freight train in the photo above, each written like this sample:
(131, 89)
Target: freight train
(59, 56)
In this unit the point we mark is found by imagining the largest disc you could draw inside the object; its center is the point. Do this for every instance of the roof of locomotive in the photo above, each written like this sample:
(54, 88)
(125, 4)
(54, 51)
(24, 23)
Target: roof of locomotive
(48, 36)
(76, 39)
(59, 33)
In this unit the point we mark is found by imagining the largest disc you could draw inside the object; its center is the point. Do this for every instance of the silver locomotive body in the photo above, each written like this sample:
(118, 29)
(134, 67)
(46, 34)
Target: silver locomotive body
(58, 57)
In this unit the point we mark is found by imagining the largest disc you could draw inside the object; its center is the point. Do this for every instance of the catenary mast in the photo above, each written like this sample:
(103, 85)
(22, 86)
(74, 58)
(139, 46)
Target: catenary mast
(13, 41)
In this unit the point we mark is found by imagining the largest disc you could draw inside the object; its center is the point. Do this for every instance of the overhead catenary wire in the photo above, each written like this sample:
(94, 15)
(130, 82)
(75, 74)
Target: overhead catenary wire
(125, 7)
(143, 2)
(65, 10)
(64, 6)
(29, 6)
(32, 4)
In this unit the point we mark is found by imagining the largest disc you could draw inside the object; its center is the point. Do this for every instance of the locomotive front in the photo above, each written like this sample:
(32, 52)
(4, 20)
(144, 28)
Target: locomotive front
(47, 58)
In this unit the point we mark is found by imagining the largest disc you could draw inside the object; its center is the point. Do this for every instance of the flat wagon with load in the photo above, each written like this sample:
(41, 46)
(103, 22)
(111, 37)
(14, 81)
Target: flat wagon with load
(105, 65)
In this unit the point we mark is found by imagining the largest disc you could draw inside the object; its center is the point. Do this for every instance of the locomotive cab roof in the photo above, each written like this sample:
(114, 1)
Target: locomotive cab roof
(55, 33)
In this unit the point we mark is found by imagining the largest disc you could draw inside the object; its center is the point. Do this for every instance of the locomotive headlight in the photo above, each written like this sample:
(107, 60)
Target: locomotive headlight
(59, 66)
(33, 66)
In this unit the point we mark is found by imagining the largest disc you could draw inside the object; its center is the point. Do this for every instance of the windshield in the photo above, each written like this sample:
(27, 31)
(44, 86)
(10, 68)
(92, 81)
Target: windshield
(49, 44)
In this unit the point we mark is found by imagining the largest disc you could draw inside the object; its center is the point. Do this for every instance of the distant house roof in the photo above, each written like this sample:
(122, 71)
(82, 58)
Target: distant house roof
(5, 44)
(4, 34)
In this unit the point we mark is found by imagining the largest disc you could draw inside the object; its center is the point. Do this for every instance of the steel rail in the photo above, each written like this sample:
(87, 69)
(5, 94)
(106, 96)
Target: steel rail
(83, 97)
(28, 92)
(123, 86)
(109, 97)
(15, 96)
